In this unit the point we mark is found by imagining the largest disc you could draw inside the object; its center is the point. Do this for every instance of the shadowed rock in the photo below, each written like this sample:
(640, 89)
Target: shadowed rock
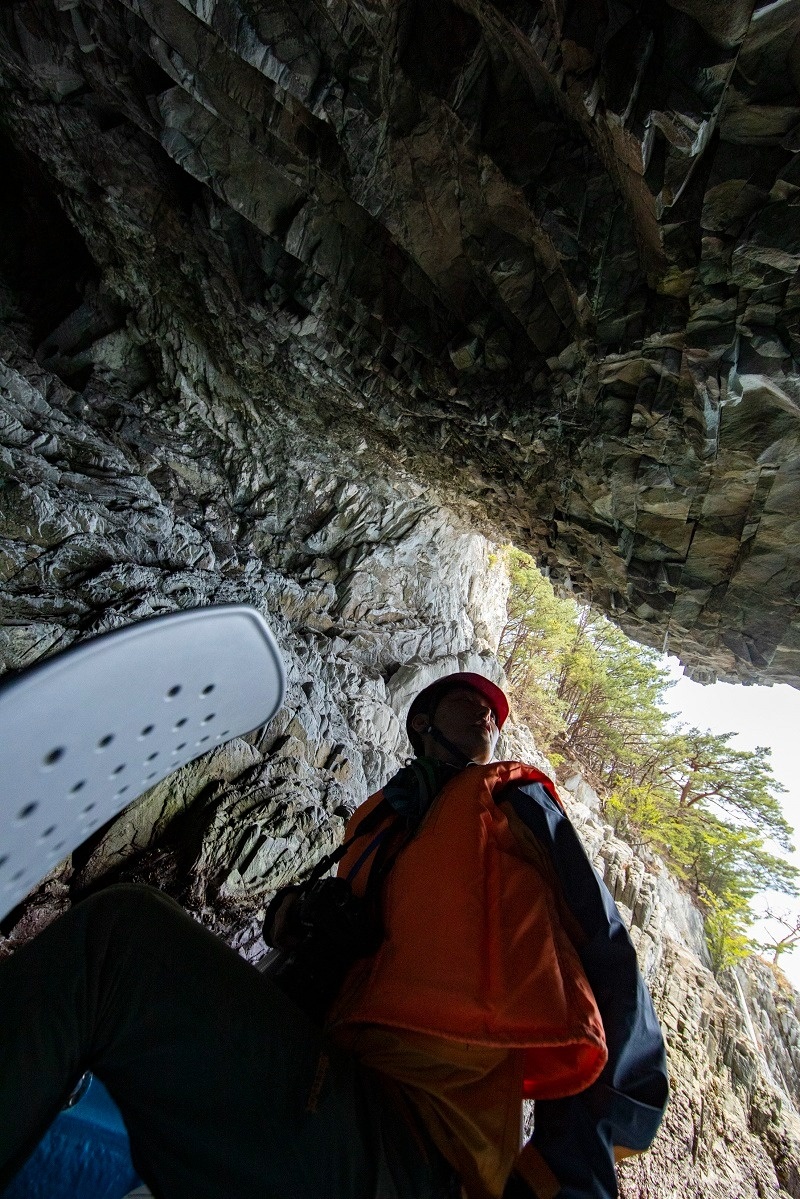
(544, 255)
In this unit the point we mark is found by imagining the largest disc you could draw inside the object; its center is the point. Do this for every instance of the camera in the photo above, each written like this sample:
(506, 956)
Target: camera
(321, 929)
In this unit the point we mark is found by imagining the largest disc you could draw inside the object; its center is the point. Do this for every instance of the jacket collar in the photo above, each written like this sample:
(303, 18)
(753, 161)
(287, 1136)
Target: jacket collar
(413, 789)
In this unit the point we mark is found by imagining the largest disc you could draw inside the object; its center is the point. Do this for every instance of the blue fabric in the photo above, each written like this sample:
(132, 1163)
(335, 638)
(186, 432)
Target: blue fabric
(83, 1155)
(626, 1105)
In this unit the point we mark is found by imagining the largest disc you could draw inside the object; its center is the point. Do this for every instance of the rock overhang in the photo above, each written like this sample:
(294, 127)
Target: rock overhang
(546, 259)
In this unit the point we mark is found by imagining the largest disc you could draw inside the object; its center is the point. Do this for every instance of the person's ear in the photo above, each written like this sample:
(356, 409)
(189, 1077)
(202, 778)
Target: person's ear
(420, 723)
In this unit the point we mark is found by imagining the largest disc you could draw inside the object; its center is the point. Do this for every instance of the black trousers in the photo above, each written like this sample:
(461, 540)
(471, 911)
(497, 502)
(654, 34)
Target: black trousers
(228, 1091)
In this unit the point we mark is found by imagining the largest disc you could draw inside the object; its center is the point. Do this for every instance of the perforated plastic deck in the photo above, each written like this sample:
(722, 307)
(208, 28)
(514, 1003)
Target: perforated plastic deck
(89, 730)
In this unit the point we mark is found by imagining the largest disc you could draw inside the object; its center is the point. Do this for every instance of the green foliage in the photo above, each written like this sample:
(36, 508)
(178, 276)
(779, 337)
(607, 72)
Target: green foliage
(726, 936)
(580, 682)
(594, 697)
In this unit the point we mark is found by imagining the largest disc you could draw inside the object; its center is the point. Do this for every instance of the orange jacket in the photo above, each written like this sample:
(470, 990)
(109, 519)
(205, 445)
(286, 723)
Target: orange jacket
(475, 948)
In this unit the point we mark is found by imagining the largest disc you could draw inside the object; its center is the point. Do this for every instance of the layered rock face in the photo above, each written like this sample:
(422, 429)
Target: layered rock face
(371, 586)
(775, 1010)
(544, 253)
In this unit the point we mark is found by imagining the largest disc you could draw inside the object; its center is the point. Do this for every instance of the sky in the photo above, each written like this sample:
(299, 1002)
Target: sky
(759, 716)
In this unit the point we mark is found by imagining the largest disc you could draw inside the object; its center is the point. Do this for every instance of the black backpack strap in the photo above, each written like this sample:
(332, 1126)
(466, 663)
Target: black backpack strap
(361, 859)
(366, 825)
(386, 855)
(371, 821)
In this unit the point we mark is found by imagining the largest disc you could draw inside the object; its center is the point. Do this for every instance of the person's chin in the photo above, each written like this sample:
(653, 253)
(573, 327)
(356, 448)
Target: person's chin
(481, 751)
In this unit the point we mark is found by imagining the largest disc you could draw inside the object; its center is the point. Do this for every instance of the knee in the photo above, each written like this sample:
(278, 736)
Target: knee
(128, 906)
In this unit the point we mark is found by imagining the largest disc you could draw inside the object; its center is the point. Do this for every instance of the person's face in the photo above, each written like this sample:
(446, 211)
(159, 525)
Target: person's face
(465, 717)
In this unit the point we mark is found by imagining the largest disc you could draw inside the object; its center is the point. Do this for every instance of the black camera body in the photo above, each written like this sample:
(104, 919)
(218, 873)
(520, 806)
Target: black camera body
(323, 930)
(327, 914)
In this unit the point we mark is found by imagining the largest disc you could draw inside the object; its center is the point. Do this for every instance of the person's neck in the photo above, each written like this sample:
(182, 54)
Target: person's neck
(441, 760)
(445, 750)
(441, 770)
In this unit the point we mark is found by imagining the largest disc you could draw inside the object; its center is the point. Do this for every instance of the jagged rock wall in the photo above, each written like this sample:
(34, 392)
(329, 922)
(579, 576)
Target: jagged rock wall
(365, 578)
(371, 586)
(545, 253)
(775, 1009)
(279, 280)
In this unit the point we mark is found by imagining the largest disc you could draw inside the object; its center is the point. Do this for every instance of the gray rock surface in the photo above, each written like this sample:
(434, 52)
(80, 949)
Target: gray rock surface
(774, 1006)
(370, 584)
(544, 255)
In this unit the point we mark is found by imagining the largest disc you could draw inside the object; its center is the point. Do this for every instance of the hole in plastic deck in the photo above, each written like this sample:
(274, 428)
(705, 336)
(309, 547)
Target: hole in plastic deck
(105, 741)
(27, 811)
(54, 755)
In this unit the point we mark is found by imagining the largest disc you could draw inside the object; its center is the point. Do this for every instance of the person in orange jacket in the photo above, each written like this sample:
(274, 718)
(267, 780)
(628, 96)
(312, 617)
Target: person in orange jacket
(504, 970)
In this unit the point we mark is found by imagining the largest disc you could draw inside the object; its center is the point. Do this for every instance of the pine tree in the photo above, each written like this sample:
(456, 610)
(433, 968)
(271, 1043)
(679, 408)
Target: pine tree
(594, 696)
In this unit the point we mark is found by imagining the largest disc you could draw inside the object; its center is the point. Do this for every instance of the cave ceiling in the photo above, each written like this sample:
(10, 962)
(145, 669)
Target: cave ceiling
(544, 257)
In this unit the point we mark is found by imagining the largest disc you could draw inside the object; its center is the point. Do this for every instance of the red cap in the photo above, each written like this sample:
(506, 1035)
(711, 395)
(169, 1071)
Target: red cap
(478, 682)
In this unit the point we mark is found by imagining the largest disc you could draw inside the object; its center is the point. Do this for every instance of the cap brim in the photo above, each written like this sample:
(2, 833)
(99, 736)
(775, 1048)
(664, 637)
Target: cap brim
(477, 682)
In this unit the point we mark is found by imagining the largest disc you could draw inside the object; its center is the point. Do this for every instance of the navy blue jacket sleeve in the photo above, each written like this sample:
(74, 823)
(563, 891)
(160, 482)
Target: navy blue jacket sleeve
(624, 1107)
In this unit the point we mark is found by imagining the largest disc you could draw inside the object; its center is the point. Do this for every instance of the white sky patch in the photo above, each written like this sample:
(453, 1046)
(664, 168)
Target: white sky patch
(759, 716)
